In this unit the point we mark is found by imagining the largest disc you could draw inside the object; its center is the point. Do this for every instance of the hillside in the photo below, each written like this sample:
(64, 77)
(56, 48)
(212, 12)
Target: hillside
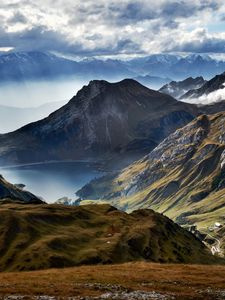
(103, 121)
(15, 192)
(182, 178)
(47, 236)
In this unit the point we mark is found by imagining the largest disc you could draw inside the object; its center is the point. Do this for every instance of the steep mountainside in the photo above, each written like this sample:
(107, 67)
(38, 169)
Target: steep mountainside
(213, 85)
(11, 191)
(103, 120)
(177, 89)
(47, 236)
(183, 178)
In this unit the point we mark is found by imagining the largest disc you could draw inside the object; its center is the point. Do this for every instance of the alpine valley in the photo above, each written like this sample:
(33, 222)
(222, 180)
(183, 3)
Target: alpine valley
(112, 150)
(161, 201)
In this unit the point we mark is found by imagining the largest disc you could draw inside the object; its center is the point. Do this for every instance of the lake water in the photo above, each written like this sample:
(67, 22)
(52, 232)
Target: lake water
(52, 181)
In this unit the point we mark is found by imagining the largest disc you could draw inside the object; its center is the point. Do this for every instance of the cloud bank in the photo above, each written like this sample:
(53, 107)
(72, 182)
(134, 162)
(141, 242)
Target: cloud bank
(118, 27)
(213, 97)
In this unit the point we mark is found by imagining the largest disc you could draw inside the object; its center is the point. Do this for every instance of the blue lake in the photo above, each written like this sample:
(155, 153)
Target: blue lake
(52, 181)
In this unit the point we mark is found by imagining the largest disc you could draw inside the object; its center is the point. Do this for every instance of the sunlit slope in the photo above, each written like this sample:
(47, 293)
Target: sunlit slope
(183, 178)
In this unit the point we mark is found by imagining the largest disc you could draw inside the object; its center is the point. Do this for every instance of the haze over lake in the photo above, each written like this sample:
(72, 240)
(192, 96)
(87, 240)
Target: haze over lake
(36, 93)
(52, 181)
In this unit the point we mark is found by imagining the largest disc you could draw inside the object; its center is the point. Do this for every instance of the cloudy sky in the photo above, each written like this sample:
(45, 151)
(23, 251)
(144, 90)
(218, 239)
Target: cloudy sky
(119, 27)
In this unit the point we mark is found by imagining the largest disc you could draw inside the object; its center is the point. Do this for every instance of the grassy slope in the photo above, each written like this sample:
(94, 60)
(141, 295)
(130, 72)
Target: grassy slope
(181, 281)
(200, 196)
(44, 236)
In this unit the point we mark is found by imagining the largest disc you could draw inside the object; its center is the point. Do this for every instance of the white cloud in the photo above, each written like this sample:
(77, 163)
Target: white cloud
(112, 27)
(212, 97)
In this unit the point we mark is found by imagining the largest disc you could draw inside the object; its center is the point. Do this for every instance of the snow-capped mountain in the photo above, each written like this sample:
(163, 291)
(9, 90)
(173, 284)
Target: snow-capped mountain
(178, 67)
(212, 91)
(33, 65)
(177, 89)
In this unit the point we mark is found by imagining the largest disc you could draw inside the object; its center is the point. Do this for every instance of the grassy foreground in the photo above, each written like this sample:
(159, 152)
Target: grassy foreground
(125, 281)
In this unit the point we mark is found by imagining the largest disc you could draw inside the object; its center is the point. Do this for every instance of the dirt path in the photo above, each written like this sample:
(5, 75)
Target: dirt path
(215, 248)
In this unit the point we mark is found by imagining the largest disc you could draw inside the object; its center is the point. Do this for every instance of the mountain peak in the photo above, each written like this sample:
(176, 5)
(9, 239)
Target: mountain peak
(98, 82)
(103, 119)
(213, 85)
(126, 81)
(178, 88)
(95, 87)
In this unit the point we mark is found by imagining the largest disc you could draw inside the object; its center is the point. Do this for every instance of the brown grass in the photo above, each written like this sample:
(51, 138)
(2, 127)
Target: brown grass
(181, 281)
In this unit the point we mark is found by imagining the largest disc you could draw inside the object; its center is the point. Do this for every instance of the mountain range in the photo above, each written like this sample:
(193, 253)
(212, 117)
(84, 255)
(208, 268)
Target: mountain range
(36, 65)
(213, 89)
(177, 67)
(177, 89)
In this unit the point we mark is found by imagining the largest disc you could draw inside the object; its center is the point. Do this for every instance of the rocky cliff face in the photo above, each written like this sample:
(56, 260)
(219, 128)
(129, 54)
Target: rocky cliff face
(101, 121)
(184, 177)
(177, 89)
(210, 86)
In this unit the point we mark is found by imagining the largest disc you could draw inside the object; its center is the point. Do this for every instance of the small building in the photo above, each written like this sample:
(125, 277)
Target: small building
(217, 225)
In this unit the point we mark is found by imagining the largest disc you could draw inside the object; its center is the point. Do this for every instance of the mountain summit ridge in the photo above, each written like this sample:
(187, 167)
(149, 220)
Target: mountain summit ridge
(102, 120)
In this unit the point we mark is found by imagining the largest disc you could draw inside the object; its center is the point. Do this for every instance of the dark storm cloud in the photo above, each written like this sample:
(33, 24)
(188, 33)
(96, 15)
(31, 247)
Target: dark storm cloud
(41, 39)
(208, 45)
(133, 12)
(38, 37)
(136, 11)
(186, 9)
